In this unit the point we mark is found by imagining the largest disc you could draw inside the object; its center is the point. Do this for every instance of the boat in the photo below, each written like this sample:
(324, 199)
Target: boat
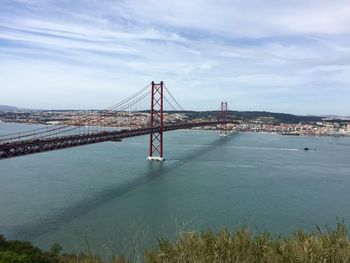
(291, 133)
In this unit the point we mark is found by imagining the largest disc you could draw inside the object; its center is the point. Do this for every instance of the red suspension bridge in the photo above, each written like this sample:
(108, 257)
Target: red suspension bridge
(112, 124)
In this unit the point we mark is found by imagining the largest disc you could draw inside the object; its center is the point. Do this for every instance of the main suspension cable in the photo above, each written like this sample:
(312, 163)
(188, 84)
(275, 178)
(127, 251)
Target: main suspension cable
(86, 120)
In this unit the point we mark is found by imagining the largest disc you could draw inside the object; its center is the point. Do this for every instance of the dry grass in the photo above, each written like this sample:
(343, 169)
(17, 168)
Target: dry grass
(329, 245)
(243, 246)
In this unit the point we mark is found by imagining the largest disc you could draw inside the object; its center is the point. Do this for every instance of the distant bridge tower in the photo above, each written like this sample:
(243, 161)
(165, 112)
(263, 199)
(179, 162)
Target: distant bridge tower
(156, 134)
(223, 118)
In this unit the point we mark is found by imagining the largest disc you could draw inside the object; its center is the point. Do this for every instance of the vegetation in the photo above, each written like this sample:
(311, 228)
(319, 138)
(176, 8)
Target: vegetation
(243, 246)
(15, 251)
(330, 245)
(252, 115)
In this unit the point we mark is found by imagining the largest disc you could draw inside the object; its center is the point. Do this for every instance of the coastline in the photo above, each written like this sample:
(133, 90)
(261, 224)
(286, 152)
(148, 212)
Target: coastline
(212, 130)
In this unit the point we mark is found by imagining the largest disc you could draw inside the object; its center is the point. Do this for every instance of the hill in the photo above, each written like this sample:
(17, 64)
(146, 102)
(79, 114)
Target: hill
(8, 108)
(253, 115)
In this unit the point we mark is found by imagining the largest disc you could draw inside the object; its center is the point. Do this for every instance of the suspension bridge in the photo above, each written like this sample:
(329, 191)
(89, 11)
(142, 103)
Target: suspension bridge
(125, 119)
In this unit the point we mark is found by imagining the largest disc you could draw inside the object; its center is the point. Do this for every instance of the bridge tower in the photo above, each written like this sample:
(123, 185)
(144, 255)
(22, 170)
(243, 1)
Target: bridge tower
(223, 119)
(156, 134)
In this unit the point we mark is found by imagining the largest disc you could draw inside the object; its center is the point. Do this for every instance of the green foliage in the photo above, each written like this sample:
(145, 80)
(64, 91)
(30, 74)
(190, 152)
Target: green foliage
(55, 249)
(14, 251)
(11, 257)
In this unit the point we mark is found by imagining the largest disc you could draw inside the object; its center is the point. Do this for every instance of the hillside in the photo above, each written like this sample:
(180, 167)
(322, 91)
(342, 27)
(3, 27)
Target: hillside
(250, 115)
(8, 108)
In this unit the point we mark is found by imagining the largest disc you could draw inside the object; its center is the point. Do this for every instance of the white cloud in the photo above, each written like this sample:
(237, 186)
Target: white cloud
(247, 51)
(245, 18)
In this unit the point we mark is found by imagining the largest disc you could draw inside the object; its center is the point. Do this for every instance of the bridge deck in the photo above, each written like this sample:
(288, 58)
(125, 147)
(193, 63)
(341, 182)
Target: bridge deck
(25, 147)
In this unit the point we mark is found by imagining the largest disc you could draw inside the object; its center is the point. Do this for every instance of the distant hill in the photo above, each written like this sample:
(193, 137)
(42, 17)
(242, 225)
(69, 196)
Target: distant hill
(250, 115)
(283, 117)
(8, 108)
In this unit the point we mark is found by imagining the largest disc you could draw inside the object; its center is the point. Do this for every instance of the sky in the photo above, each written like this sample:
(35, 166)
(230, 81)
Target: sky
(289, 56)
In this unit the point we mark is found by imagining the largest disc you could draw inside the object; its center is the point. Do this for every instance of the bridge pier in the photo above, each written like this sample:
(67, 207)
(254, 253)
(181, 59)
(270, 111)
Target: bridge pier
(155, 158)
(156, 132)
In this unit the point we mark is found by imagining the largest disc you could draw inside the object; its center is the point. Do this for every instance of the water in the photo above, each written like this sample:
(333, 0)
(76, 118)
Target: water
(107, 196)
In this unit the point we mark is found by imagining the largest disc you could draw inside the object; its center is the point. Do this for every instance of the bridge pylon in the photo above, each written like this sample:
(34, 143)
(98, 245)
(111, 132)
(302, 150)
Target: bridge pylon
(156, 125)
(223, 119)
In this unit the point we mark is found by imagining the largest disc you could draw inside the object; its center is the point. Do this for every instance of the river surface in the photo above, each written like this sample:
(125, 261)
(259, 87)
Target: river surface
(107, 197)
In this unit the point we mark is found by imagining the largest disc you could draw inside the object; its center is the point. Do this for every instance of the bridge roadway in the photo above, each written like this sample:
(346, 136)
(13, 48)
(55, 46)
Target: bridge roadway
(31, 146)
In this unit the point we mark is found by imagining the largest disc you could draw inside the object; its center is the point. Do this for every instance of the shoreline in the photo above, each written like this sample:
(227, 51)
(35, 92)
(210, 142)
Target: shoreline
(209, 130)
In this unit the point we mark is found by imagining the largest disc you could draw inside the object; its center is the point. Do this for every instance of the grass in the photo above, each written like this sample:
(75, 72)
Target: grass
(328, 245)
(243, 246)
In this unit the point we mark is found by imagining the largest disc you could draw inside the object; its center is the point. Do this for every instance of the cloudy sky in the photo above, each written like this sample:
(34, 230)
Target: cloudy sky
(275, 55)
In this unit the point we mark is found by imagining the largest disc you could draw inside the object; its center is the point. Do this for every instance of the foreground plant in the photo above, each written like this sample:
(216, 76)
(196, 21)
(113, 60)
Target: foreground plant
(330, 245)
(243, 246)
